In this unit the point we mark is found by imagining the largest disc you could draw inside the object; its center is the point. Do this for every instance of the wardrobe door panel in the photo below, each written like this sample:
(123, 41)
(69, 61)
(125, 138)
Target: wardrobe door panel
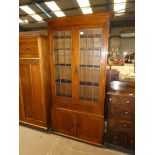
(21, 106)
(38, 99)
(32, 91)
(25, 76)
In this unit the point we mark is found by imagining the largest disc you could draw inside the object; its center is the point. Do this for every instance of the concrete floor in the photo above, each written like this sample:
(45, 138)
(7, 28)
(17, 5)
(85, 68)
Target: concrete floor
(34, 142)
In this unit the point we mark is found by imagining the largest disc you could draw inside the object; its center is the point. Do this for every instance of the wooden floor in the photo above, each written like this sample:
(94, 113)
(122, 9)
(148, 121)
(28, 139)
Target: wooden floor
(34, 142)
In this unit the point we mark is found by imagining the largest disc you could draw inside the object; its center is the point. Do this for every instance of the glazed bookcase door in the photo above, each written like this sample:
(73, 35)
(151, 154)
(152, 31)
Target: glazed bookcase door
(90, 46)
(62, 57)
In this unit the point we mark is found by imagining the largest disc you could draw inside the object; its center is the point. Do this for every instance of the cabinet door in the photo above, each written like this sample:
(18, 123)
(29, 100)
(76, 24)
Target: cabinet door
(90, 127)
(63, 121)
(33, 102)
(62, 61)
(91, 69)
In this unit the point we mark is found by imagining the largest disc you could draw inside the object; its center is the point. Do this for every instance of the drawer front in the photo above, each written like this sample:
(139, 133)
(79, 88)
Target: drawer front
(121, 113)
(28, 48)
(130, 143)
(122, 126)
(122, 100)
(121, 139)
(117, 138)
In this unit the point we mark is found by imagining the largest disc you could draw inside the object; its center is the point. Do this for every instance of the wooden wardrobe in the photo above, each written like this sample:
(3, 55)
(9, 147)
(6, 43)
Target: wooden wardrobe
(34, 81)
(78, 47)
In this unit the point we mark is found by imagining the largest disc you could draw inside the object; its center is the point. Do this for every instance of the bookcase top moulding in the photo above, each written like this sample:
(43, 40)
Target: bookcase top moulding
(96, 18)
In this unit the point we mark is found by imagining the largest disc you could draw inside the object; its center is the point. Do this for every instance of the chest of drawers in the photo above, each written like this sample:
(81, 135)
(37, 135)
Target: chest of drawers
(121, 114)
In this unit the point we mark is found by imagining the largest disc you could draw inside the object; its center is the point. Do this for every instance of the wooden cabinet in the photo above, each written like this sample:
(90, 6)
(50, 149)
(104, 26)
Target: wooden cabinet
(34, 103)
(78, 47)
(121, 114)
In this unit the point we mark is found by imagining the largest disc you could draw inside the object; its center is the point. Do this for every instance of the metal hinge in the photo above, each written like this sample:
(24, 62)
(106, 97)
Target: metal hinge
(105, 127)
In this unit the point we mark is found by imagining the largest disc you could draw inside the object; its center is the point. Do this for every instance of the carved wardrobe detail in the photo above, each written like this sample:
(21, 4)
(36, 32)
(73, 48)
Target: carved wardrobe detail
(78, 47)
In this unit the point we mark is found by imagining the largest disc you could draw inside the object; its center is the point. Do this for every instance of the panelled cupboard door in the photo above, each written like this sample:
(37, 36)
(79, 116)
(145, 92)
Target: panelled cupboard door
(31, 90)
(63, 121)
(90, 127)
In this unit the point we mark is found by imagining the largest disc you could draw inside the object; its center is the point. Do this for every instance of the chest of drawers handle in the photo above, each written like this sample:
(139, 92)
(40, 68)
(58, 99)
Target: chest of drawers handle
(109, 99)
(126, 112)
(125, 125)
(130, 94)
(127, 101)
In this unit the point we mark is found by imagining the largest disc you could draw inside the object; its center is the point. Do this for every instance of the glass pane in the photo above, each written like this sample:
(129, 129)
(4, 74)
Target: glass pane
(68, 57)
(69, 90)
(95, 93)
(89, 60)
(62, 55)
(88, 93)
(82, 92)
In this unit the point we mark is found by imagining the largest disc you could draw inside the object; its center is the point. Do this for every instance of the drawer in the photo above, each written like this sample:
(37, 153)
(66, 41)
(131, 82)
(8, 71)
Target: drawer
(121, 113)
(116, 138)
(122, 101)
(121, 139)
(130, 142)
(122, 126)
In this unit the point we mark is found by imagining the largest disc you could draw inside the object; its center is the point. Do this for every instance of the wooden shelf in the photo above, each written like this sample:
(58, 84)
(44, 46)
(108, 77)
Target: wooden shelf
(62, 37)
(59, 49)
(91, 36)
(89, 84)
(63, 65)
(97, 48)
(91, 66)
(88, 99)
(62, 95)
(63, 81)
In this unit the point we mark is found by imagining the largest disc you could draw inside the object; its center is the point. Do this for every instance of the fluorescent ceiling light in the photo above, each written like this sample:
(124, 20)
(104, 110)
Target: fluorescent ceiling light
(37, 17)
(26, 21)
(27, 9)
(83, 3)
(55, 8)
(21, 21)
(119, 6)
(86, 10)
(85, 6)
(59, 13)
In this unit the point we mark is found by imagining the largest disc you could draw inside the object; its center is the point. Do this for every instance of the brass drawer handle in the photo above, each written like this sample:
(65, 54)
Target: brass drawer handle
(127, 101)
(110, 99)
(126, 112)
(125, 125)
(130, 94)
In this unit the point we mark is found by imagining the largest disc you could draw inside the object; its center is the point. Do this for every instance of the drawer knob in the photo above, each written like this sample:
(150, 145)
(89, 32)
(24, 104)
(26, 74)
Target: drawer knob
(125, 125)
(126, 112)
(131, 94)
(110, 99)
(127, 101)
